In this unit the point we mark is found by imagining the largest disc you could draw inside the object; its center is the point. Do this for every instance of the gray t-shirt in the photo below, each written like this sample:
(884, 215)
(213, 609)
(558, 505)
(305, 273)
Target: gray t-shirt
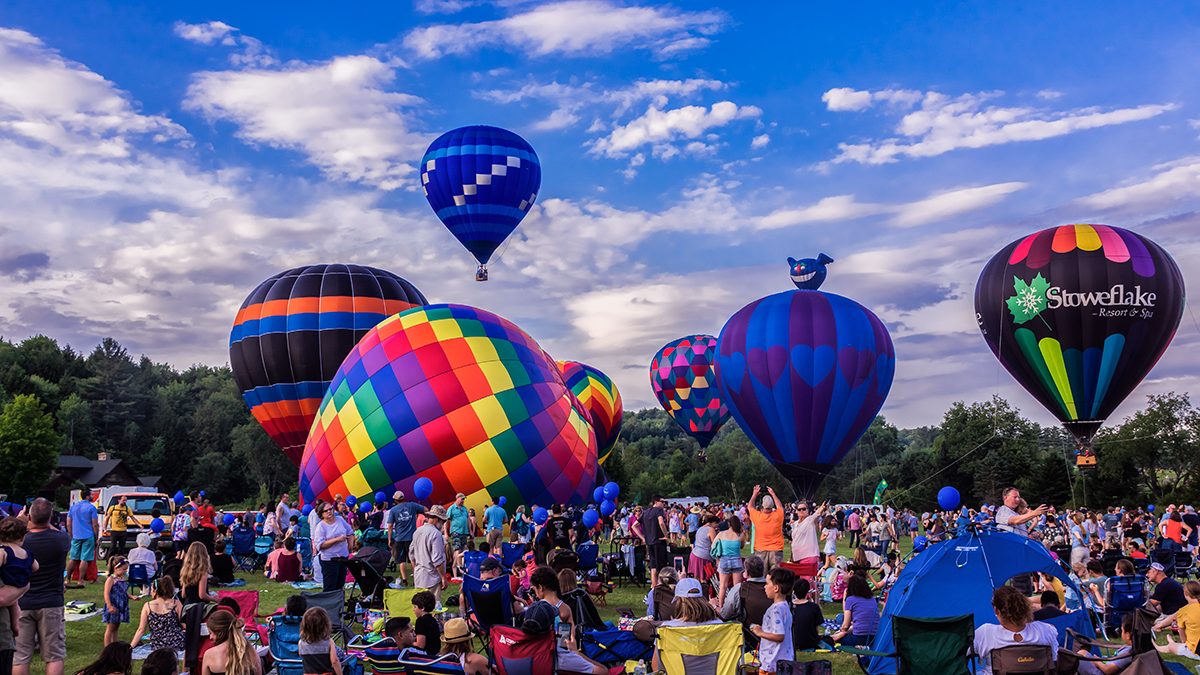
(1002, 518)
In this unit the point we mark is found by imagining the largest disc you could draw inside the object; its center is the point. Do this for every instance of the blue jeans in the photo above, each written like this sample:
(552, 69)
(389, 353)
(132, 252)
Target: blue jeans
(333, 575)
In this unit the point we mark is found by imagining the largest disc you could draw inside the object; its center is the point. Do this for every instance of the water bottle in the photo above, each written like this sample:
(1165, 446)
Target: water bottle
(640, 668)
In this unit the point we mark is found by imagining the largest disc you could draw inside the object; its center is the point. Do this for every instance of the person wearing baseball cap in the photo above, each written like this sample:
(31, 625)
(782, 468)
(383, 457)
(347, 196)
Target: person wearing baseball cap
(1168, 596)
(457, 639)
(401, 522)
(768, 527)
(428, 553)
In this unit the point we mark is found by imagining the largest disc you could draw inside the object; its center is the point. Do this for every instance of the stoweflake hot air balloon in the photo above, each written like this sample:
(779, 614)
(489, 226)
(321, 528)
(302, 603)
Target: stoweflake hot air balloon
(682, 376)
(1079, 314)
(480, 181)
(293, 332)
(456, 395)
(599, 396)
(804, 373)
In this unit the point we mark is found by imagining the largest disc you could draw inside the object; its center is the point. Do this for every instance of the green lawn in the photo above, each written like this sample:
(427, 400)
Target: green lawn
(86, 638)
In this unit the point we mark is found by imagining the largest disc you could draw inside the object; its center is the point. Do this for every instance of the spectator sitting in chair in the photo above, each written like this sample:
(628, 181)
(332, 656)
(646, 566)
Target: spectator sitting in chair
(1016, 626)
(222, 565)
(385, 656)
(660, 597)
(806, 618)
(545, 584)
(490, 568)
(1049, 608)
(861, 614)
(283, 565)
(1168, 596)
(143, 555)
(756, 580)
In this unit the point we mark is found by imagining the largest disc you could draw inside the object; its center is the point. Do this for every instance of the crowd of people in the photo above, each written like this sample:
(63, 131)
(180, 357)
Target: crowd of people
(777, 601)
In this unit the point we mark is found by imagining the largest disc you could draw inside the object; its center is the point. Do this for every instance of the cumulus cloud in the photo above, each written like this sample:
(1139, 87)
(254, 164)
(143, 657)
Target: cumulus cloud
(845, 98)
(213, 32)
(943, 124)
(760, 141)
(936, 207)
(658, 128)
(1173, 182)
(574, 28)
(338, 113)
(570, 100)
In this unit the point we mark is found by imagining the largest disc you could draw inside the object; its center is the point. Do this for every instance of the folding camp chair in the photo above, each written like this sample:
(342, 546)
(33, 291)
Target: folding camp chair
(1184, 562)
(614, 646)
(1121, 596)
(398, 601)
(928, 645)
(334, 603)
(588, 553)
(1108, 561)
(471, 561)
(510, 554)
(140, 574)
(244, 557)
(512, 651)
(263, 545)
(446, 664)
(489, 603)
(563, 559)
(304, 548)
(701, 650)
(584, 610)
(283, 642)
(1166, 558)
(1023, 660)
(248, 602)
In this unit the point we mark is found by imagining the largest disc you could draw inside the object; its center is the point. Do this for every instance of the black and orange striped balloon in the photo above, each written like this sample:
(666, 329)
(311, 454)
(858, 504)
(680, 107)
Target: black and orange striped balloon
(294, 331)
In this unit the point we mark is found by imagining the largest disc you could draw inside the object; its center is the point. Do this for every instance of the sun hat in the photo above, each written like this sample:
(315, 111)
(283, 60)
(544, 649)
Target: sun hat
(456, 631)
(460, 496)
(688, 588)
(436, 511)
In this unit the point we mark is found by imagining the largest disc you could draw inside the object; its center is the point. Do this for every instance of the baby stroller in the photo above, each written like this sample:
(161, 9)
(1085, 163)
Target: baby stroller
(367, 568)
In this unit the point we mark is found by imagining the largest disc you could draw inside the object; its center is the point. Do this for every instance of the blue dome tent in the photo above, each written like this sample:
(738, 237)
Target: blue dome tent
(958, 576)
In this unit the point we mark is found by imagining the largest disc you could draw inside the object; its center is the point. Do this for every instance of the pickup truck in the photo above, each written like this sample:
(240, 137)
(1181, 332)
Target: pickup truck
(143, 505)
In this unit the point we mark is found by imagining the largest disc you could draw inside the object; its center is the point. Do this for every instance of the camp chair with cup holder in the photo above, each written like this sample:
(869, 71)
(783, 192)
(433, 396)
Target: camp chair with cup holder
(283, 642)
(334, 603)
(701, 650)
(512, 651)
(927, 646)
(510, 554)
(489, 603)
(245, 558)
(1122, 595)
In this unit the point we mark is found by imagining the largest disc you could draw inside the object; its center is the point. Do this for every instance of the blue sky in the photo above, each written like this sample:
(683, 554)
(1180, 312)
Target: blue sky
(157, 162)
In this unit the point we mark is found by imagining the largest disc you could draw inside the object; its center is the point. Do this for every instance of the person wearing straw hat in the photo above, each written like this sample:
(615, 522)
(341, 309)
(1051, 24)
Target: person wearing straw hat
(428, 553)
(457, 639)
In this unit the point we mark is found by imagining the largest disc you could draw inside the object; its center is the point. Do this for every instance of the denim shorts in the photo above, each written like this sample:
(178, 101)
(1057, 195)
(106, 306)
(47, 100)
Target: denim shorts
(728, 564)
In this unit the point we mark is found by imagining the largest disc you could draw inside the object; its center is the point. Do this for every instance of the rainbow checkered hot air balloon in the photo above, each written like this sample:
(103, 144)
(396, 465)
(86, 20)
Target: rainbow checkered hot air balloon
(293, 332)
(683, 379)
(457, 395)
(600, 398)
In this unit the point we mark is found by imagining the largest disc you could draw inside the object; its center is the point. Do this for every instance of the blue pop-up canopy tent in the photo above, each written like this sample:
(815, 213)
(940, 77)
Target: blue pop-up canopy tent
(958, 576)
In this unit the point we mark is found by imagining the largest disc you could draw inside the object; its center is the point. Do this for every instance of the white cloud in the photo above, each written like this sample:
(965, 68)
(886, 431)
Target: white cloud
(659, 127)
(1049, 94)
(574, 28)
(934, 208)
(1175, 181)
(337, 113)
(845, 98)
(943, 124)
(49, 100)
(253, 52)
(760, 141)
(442, 6)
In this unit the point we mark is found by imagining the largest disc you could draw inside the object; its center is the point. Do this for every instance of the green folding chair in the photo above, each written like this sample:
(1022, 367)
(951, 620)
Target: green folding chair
(928, 646)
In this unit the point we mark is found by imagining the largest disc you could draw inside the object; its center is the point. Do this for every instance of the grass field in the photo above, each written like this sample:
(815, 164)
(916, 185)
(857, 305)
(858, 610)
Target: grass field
(86, 638)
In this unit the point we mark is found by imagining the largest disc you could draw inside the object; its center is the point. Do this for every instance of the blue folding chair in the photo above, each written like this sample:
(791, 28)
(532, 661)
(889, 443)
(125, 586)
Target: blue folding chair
(489, 603)
(446, 664)
(588, 554)
(262, 548)
(244, 557)
(283, 641)
(304, 548)
(471, 561)
(510, 554)
(1122, 595)
(140, 574)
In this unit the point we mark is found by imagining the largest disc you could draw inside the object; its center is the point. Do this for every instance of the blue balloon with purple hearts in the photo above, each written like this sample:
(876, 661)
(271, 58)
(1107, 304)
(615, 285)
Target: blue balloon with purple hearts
(804, 373)
(481, 182)
(809, 273)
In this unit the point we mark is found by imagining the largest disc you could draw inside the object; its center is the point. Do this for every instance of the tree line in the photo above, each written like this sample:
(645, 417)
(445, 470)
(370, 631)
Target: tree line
(192, 428)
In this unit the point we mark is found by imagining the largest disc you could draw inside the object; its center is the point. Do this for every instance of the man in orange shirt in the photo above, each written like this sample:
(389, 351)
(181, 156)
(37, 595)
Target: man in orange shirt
(768, 527)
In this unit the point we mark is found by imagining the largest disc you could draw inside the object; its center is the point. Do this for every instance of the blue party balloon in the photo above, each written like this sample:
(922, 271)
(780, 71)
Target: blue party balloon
(1150, 508)
(380, 497)
(480, 181)
(365, 507)
(948, 498)
(351, 500)
(611, 491)
(919, 543)
(157, 525)
(598, 494)
(503, 500)
(179, 497)
(540, 516)
(422, 488)
(202, 493)
(306, 510)
(804, 373)
(608, 507)
(590, 518)
(229, 519)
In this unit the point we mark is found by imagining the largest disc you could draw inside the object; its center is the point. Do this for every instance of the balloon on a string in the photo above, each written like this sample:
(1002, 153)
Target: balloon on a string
(179, 497)
(948, 498)
(611, 491)
(157, 525)
(540, 516)
(590, 518)
(608, 507)
(380, 497)
(503, 500)
(351, 500)
(919, 543)
(1150, 508)
(229, 519)
(598, 494)
(202, 493)
(365, 507)
(422, 488)
(306, 510)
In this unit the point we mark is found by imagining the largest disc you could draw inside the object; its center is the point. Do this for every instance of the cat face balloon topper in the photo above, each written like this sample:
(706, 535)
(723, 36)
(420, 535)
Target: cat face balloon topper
(809, 273)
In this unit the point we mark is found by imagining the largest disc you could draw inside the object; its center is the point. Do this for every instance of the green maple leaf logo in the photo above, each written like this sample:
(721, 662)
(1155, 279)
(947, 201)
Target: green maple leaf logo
(1030, 299)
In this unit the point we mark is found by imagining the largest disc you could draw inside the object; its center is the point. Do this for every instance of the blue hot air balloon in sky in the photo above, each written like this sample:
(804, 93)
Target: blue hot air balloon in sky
(804, 373)
(481, 181)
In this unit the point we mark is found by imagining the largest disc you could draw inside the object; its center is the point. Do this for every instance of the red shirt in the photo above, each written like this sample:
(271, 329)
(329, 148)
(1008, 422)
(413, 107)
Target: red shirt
(205, 516)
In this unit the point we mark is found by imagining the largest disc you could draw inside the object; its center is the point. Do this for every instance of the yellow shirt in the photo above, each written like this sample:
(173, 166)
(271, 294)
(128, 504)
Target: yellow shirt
(118, 518)
(1189, 620)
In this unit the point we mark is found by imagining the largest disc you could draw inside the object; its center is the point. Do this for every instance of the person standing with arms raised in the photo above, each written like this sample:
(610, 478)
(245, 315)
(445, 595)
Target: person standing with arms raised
(768, 527)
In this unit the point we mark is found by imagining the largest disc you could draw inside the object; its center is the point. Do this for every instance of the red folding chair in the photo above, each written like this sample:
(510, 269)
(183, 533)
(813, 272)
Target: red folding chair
(248, 602)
